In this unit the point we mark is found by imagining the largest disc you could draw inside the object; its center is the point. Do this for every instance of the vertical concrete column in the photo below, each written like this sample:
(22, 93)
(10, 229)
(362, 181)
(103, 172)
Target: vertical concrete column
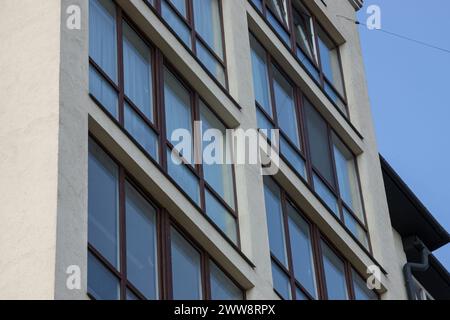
(374, 195)
(249, 182)
(71, 236)
(29, 129)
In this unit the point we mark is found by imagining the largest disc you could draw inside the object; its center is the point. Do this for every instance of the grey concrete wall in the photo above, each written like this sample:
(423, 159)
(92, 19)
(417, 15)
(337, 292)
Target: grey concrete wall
(71, 236)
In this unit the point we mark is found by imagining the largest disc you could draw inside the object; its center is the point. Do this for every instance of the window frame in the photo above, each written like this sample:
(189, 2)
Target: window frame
(164, 224)
(189, 22)
(316, 63)
(158, 126)
(300, 100)
(316, 239)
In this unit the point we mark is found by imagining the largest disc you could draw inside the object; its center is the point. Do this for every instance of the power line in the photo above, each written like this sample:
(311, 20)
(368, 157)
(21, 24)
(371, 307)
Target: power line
(399, 35)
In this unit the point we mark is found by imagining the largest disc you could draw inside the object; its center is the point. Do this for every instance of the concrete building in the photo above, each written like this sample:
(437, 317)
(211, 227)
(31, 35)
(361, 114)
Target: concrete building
(93, 205)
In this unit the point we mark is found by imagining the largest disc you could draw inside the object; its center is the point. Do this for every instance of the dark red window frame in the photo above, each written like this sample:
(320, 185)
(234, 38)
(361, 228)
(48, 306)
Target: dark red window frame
(158, 125)
(317, 237)
(292, 47)
(305, 154)
(189, 22)
(164, 223)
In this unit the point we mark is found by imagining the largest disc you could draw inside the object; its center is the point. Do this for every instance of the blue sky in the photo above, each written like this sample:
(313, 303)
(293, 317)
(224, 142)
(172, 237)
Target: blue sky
(409, 89)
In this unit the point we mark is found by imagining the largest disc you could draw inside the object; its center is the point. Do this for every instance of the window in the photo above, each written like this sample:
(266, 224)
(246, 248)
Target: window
(198, 24)
(290, 245)
(222, 288)
(261, 76)
(115, 268)
(104, 211)
(304, 266)
(334, 270)
(186, 272)
(304, 30)
(103, 76)
(318, 143)
(210, 184)
(146, 97)
(362, 292)
(126, 255)
(141, 243)
(277, 106)
(309, 43)
(333, 174)
(123, 88)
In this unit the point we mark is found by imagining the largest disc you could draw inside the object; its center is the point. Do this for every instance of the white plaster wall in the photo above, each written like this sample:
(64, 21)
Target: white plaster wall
(29, 124)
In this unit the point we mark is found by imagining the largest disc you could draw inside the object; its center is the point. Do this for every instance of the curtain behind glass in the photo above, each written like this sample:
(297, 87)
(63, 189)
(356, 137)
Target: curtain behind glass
(102, 36)
(137, 71)
(218, 175)
(208, 24)
(177, 106)
(303, 30)
(279, 8)
(285, 106)
(260, 76)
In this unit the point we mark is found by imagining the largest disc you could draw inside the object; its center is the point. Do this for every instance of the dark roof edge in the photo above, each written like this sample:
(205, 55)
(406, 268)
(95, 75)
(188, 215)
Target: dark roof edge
(426, 214)
(443, 272)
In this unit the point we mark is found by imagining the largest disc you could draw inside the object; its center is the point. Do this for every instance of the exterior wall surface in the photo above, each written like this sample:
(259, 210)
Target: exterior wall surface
(46, 115)
(29, 128)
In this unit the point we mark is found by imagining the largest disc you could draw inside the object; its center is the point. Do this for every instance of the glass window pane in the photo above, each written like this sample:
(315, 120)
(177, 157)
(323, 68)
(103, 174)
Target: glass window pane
(175, 22)
(103, 92)
(303, 28)
(335, 98)
(326, 195)
(208, 23)
(293, 157)
(180, 5)
(183, 176)
(211, 63)
(299, 295)
(334, 275)
(103, 204)
(258, 4)
(279, 9)
(137, 71)
(279, 29)
(329, 56)
(260, 76)
(263, 122)
(217, 172)
(275, 223)
(362, 292)
(140, 131)
(308, 65)
(102, 284)
(302, 254)
(281, 282)
(178, 110)
(356, 229)
(141, 243)
(186, 272)
(102, 36)
(221, 217)
(347, 176)
(285, 106)
(222, 288)
(131, 296)
(318, 142)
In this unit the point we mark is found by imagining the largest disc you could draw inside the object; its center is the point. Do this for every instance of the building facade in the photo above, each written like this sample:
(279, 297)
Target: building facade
(89, 182)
